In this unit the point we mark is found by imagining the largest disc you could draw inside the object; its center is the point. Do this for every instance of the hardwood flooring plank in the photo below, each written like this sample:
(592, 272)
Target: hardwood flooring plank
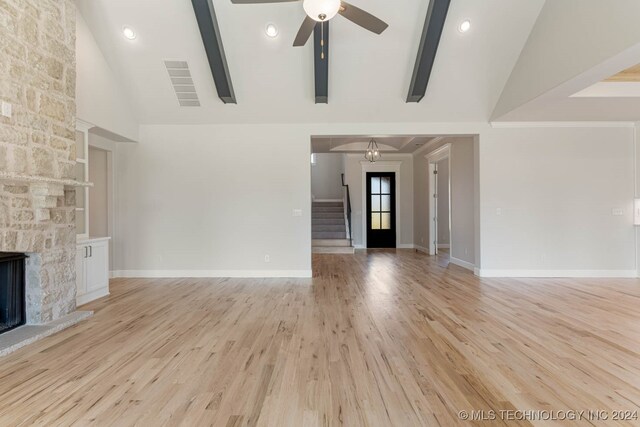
(379, 338)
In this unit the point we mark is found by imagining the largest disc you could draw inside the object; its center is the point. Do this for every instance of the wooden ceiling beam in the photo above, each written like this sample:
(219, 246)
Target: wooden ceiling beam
(431, 33)
(210, 32)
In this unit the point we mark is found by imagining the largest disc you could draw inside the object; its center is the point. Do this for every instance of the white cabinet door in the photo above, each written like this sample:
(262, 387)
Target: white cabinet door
(81, 272)
(98, 266)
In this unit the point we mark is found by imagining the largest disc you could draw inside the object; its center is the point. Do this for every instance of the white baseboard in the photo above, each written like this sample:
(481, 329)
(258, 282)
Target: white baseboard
(421, 249)
(153, 274)
(327, 200)
(461, 263)
(557, 273)
(400, 246)
(444, 245)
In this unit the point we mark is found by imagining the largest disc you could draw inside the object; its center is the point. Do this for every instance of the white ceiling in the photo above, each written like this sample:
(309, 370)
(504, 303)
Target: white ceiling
(358, 144)
(369, 74)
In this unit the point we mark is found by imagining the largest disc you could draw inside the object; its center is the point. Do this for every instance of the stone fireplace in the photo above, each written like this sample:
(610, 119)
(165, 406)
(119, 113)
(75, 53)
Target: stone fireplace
(37, 150)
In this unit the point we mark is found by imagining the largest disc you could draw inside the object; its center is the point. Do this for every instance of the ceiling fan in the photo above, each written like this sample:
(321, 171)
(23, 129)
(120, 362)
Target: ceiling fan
(322, 11)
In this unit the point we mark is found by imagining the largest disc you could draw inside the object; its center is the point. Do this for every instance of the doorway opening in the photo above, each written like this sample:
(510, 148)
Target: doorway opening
(440, 195)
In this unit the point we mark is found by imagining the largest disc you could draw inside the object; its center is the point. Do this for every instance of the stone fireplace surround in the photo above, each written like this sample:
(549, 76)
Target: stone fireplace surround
(38, 151)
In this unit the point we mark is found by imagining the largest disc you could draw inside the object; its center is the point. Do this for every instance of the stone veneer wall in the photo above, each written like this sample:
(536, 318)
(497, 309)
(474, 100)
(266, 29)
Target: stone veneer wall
(37, 76)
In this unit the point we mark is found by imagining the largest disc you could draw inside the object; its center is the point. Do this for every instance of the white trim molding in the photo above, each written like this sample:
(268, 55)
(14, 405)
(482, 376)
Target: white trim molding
(443, 245)
(248, 274)
(327, 200)
(433, 157)
(380, 166)
(421, 249)
(515, 125)
(405, 246)
(461, 263)
(557, 273)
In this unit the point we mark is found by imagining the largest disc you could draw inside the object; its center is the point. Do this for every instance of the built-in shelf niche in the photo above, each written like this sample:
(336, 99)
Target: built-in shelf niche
(82, 176)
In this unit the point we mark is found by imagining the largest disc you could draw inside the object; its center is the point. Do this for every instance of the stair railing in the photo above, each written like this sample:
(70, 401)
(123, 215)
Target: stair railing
(348, 209)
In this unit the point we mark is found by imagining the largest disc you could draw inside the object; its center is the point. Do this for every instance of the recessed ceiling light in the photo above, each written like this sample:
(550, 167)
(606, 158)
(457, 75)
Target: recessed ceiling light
(129, 33)
(464, 26)
(271, 30)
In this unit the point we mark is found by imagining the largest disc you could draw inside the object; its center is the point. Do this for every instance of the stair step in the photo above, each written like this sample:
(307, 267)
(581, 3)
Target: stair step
(328, 221)
(330, 242)
(326, 215)
(328, 235)
(333, 250)
(327, 209)
(327, 203)
(340, 228)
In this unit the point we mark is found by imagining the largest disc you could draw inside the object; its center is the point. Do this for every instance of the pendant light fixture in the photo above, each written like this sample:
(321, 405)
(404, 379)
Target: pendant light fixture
(373, 152)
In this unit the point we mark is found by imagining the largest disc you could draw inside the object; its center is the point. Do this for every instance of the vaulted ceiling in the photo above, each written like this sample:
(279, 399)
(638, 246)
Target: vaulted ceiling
(369, 75)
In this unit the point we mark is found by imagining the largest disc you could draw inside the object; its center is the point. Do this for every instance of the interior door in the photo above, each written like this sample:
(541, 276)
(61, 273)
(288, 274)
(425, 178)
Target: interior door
(381, 210)
(435, 208)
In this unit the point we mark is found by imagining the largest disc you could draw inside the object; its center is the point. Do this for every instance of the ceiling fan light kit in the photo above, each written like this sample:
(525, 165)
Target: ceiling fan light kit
(321, 10)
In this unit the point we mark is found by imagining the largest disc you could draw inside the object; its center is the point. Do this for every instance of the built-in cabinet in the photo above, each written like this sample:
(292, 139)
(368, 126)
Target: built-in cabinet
(92, 253)
(92, 269)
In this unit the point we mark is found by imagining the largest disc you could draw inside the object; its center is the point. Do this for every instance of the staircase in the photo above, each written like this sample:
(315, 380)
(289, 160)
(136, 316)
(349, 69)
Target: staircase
(328, 229)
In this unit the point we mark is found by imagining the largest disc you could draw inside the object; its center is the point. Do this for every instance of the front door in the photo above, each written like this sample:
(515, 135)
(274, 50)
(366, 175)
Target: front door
(381, 207)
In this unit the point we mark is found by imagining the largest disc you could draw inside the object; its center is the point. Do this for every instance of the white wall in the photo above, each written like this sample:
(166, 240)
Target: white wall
(326, 181)
(99, 96)
(196, 198)
(547, 196)
(463, 230)
(98, 194)
(213, 201)
(443, 202)
(404, 218)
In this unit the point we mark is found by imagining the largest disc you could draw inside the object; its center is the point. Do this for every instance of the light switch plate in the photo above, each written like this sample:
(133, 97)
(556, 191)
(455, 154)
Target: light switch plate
(297, 212)
(617, 212)
(6, 109)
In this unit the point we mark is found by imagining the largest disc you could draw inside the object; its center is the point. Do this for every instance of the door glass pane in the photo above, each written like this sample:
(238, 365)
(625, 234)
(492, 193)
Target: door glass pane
(386, 185)
(375, 203)
(386, 204)
(375, 221)
(375, 185)
(386, 221)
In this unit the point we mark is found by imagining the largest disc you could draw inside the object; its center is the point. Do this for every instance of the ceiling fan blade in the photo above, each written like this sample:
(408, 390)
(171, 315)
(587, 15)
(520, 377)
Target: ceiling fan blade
(259, 1)
(362, 18)
(304, 32)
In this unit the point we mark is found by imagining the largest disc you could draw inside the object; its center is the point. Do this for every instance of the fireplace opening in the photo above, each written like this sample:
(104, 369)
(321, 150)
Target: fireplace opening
(12, 291)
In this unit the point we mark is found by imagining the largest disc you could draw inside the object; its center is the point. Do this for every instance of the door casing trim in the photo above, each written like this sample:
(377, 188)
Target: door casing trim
(380, 166)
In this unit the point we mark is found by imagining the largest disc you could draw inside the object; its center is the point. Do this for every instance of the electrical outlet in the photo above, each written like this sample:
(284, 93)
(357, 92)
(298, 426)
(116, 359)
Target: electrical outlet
(499, 211)
(266, 258)
(297, 212)
(6, 109)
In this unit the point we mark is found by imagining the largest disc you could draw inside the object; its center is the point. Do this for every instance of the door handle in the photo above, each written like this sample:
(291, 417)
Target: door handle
(86, 252)
(90, 251)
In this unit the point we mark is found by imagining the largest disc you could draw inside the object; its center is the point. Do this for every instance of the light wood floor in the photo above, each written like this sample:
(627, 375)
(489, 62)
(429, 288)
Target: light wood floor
(380, 339)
